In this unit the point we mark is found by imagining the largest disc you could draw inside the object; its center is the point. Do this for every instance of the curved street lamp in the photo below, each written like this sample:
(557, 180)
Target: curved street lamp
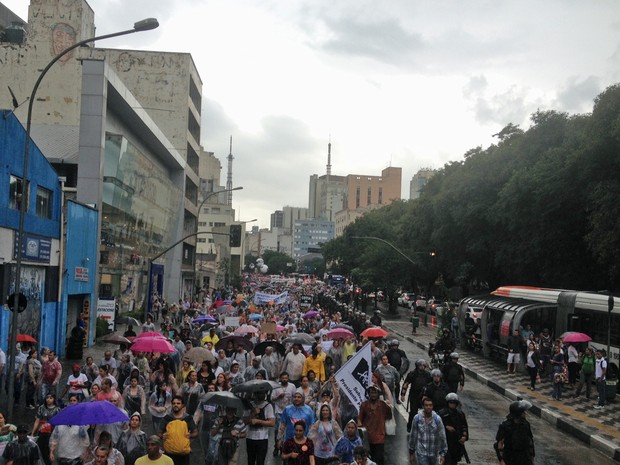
(140, 26)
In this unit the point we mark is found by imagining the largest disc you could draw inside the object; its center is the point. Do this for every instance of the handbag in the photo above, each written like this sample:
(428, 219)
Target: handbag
(390, 426)
(564, 374)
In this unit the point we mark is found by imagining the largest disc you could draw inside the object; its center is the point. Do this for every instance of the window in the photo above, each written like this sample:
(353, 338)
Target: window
(369, 196)
(357, 197)
(15, 192)
(44, 203)
(218, 224)
(380, 196)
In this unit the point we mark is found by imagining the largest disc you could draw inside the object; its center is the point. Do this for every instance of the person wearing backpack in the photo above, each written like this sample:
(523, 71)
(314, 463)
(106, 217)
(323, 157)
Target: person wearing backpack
(427, 441)
(514, 442)
(177, 428)
(229, 428)
(586, 376)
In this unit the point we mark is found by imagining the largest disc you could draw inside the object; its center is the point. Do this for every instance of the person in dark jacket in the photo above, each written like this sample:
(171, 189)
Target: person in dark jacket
(417, 379)
(453, 373)
(436, 390)
(514, 439)
(457, 432)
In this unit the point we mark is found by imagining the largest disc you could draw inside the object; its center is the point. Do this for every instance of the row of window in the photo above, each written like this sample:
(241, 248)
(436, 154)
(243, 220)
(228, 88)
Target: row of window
(44, 198)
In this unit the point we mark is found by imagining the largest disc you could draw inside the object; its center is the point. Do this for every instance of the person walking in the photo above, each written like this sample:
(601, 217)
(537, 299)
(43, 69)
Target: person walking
(260, 421)
(372, 416)
(417, 379)
(600, 373)
(153, 453)
(177, 428)
(427, 441)
(132, 443)
(281, 398)
(453, 373)
(23, 450)
(457, 432)
(514, 441)
(533, 365)
(298, 450)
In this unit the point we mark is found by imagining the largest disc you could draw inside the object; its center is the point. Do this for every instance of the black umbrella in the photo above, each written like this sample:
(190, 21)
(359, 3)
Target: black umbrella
(259, 349)
(236, 340)
(343, 326)
(224, 399)
(255, 385)
(127, 320)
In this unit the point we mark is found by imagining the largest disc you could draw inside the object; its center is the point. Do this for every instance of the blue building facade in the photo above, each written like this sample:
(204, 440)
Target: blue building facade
(41, 280)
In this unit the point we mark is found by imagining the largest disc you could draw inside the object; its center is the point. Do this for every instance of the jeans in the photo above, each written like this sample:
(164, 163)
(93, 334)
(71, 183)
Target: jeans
(533, 371)
(48, 389)
(377, 453)
(585, 379)
(601, 386)
(426, 459)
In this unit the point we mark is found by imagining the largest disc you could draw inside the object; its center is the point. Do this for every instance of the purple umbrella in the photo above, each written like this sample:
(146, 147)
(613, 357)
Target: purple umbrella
(205, 318)
(99, 412)
(311, 314)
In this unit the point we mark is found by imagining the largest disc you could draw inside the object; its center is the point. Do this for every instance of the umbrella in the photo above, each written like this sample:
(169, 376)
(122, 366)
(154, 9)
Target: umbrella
(300, 338)
(243, 303)
(236, 340)
(127, 320)
(256, 316)
(152, 344)
(99, 412)
(375, 331)
(198, 355)
(150, 334)
(259, 349)
(343, 326)
(311, 314)
(205, 318)
(576, 337)
(24, 338)
(223, 399)
(255, 385)
(246, 329)
(115, 339)
(340, 333)
(280, 328)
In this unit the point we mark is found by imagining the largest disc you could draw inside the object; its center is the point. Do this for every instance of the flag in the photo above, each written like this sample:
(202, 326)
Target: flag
(355, 375)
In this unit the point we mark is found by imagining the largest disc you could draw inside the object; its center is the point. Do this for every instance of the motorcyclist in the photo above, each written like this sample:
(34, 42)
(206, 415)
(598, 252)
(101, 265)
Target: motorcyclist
(376, 318)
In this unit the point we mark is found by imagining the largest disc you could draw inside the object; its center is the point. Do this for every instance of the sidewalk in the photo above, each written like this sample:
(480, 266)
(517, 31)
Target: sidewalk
(576, 416)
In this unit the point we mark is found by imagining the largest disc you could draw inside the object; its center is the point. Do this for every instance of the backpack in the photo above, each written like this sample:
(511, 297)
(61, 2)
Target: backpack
(516, 436)
(176, 441)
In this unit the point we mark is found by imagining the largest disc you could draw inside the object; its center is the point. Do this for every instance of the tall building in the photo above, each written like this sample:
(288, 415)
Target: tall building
(130, 120)
(309, 235)
(418, 181)
(277, 219)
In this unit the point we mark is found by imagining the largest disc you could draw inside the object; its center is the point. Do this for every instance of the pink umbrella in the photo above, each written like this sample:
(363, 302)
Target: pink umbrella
(340, 333)
(152, 344)
(246, 329)
(577, 337)
(280, 328)
(150, 334)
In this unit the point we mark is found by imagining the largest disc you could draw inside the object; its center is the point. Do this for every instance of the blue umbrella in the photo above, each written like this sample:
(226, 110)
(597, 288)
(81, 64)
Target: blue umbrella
(99, 412)
(256, 316)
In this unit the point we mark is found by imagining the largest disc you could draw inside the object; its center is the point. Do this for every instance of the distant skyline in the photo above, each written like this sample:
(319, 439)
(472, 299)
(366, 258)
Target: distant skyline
(414, 85)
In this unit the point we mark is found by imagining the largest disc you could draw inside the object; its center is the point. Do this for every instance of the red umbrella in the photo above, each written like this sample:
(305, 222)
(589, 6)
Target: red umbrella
(152, 344)
(25, 338)
(375, 331)
(340, 333)
(577, 337)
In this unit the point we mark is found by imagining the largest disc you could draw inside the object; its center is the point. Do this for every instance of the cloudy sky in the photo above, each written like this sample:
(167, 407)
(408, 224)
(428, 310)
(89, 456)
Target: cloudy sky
(405, 83)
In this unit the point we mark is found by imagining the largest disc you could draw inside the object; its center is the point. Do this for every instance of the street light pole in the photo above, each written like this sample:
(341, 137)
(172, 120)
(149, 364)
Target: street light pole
(144, 25)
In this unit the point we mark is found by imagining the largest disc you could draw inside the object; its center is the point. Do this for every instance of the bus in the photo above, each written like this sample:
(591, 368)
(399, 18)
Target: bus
(559, 310)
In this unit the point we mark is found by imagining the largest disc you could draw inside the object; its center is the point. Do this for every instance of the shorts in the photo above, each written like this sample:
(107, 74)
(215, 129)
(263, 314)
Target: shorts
(513, 357)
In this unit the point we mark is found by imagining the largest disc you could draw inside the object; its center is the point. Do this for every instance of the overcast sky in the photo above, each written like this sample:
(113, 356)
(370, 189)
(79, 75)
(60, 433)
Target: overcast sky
(401, 82)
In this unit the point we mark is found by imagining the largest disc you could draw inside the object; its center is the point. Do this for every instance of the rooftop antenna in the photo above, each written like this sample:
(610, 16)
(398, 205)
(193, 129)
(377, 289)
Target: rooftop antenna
(229, 183)
(329, 156)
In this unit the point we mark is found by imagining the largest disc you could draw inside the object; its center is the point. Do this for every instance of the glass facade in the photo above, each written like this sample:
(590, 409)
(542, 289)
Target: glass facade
(141, 205)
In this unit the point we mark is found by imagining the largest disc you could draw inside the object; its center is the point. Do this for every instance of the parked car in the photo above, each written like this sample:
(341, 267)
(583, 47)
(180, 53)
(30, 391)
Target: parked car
(405, 298)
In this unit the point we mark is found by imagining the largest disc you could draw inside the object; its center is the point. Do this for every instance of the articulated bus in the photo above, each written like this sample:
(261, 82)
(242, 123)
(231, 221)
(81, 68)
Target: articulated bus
(515, 307)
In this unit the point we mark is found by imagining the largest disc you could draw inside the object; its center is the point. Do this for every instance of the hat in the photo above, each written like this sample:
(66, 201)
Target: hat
(76, 366)
(375, 387)
(154, 439)
(234, 362)
(258, 358)
(188, 342)
(22, 429)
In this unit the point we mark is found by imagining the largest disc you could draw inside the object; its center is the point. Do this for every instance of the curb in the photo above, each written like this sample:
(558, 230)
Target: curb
(580, 432)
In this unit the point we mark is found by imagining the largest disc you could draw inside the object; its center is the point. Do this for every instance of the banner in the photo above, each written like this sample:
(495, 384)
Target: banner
(355, 375)
(261, 298)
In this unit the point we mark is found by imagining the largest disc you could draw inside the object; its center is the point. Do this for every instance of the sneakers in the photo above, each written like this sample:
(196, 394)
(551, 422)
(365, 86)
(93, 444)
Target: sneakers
(30, 407)
(599, 406)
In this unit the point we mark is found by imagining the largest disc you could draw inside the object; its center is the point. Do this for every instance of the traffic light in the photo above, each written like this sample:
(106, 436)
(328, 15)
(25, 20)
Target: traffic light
(235, 235)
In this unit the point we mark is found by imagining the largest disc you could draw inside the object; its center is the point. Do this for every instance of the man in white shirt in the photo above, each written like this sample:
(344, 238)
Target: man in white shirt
(281, 397)
(260, 421)
(68, 443)
(294, 364)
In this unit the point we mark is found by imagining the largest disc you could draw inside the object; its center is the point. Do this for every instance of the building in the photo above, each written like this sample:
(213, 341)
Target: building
(418, 181)
(277, 219)
(326, 196)
(58, 281)
(309, 235)
(130, 120)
